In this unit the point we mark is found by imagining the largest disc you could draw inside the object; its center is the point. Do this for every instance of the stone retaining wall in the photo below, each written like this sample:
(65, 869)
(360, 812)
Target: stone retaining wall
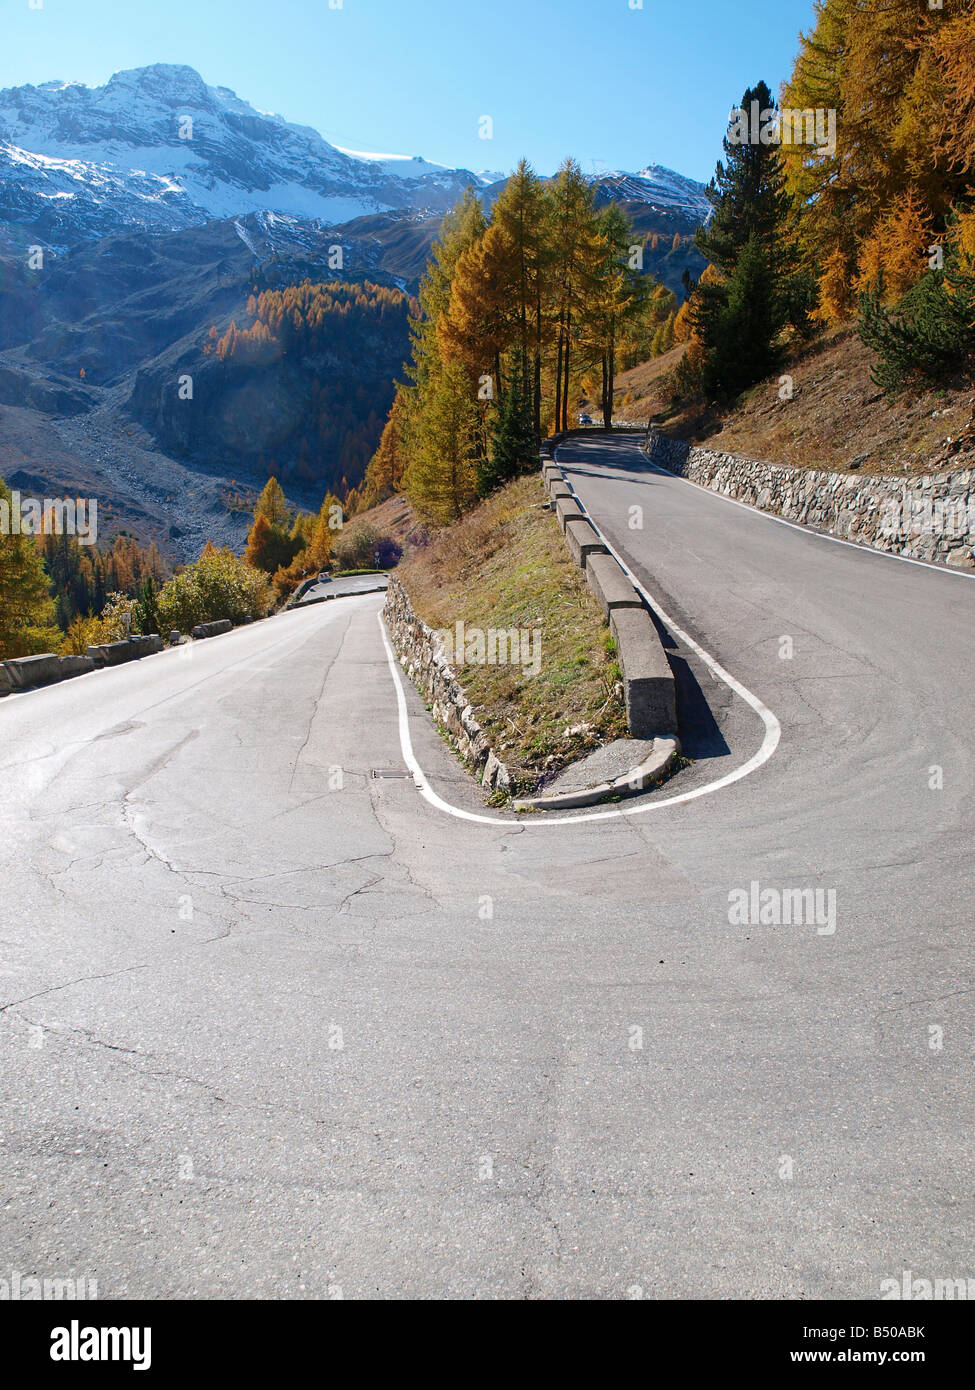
(925, 518)
(423, 658)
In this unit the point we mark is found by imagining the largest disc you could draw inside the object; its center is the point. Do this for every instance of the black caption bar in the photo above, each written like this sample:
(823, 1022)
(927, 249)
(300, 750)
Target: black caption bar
(59, 1341)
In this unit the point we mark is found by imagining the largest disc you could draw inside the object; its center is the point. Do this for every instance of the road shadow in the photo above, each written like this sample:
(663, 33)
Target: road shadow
(637, 468)
(700, 736)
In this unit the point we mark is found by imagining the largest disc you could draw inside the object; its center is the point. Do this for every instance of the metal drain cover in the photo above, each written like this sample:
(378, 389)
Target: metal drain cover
(389, 773)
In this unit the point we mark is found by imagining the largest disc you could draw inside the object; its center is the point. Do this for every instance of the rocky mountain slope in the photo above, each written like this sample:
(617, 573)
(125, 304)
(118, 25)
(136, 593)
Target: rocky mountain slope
(136, 220)
(156, 148)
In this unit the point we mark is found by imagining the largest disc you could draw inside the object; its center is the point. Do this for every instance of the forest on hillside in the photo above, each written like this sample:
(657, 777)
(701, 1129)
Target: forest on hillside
(874, 226)
(517, 309)
(298, 386)
(850, 201)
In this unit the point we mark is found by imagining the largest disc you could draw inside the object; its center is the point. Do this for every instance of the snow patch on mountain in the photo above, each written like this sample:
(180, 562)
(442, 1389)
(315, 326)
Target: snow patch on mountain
(656, 186)
(157, 147)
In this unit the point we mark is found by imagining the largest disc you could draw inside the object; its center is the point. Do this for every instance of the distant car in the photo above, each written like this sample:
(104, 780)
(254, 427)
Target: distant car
(324, 578)
(585, 419)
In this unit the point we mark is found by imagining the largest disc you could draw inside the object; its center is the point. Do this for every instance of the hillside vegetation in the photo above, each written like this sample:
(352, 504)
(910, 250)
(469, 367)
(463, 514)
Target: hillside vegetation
(505, 565)
(833, 323)
(520, 308)
(836, 418)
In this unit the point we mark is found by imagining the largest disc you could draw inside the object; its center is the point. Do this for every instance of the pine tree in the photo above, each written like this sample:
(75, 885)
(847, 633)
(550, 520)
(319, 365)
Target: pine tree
(748, 196)
(929, 334)
(27, 611)
(479, 321)
(440, 480)
(269, 548)
(740, 342)
(443, 426)
(896, 251)
(663, 339)
(618, 293)
(521, 213)
(514, 446)
(953, 49)
(258, 539)
(147, 610)
(739, 308)
(898, 75)
(835, 290)
(462, 227)
(273, 541)
(272, 504)
(576, 247)
(384, 473)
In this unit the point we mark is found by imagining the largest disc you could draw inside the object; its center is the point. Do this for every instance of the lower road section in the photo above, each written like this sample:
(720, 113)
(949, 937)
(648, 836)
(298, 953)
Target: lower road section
(273, 1025)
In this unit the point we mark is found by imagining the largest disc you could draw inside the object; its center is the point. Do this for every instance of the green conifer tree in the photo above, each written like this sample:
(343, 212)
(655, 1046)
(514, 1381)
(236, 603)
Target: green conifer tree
(27, 625)
(514, 446)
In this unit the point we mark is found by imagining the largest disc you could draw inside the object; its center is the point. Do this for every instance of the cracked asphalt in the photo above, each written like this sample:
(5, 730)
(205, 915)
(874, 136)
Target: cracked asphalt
(274, 1027)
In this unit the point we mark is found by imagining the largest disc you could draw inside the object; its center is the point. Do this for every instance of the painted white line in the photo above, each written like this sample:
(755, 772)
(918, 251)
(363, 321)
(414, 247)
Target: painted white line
(406, 744)
(773, 732)
(794, 525)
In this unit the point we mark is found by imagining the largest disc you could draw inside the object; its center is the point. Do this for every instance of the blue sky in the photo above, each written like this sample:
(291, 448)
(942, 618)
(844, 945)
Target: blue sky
(613, 86)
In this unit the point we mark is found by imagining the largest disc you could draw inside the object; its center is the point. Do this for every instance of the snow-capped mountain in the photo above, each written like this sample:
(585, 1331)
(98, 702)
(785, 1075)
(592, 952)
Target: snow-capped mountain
(406, 166)
(657, 187)
(159, 149)
(165, 202)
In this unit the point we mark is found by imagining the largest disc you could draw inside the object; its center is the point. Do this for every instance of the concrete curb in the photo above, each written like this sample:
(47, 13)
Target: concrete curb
(583, 541)
(649, 683)
(566, 510)
(28, 672)
(327, 598)
(610, 585)
(649, 686)
(214, 629)
(35, 672)
(76, 666)
(665, 750)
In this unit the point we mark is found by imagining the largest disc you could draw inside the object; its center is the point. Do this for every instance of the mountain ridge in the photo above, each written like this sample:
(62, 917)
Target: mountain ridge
(159, 149)
(153, 243)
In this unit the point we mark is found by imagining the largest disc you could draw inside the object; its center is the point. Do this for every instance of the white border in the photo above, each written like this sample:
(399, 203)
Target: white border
(798, 525)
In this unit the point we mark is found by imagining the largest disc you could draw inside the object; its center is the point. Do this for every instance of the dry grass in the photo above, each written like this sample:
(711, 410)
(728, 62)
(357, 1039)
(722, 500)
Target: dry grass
(837, 417)
(506, 565)
(394, 518)
(646, 390)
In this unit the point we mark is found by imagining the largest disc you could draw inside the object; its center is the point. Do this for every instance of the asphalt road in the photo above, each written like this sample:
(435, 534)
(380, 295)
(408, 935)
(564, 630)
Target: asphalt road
(339, 588)
(273, 1026)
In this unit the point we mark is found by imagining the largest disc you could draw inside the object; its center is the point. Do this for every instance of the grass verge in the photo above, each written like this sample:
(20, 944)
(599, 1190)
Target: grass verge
(836, 418)
(505, 565)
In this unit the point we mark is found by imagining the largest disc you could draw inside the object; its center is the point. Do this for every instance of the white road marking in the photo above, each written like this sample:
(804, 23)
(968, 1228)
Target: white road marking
(797, 525)
(770, 742)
